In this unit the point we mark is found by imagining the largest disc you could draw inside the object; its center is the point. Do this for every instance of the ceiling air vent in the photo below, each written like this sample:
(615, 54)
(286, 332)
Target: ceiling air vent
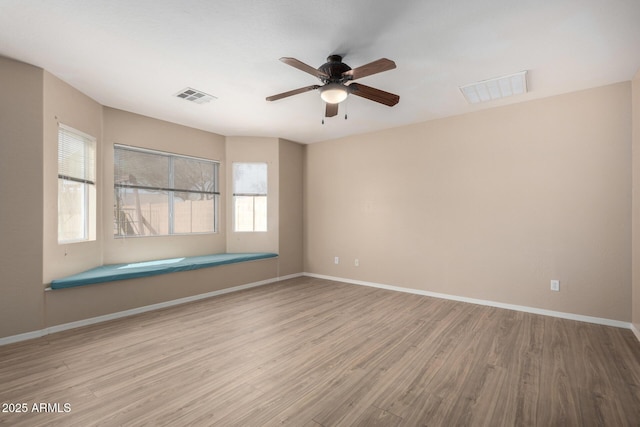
(194, 95)
(500, 87)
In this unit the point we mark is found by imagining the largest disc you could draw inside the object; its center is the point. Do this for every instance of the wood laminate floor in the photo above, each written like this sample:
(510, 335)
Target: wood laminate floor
(310, 352)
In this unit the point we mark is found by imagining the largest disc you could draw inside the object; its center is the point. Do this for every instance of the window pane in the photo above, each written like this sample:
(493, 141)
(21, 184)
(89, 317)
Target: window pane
(250, 213)
(250, 196)
(71, 210)
(260, 213)
(250, 178)
(141, 213)
(244, 213)
(194, 215)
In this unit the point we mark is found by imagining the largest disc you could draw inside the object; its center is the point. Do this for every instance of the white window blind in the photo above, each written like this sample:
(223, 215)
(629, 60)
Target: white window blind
(250, 179)
(76, 156)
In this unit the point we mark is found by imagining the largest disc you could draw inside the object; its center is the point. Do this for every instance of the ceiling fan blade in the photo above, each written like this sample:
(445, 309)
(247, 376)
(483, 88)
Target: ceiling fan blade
(374, 67)
(331, 110)
(292, 92)
(304, 67)
(374, 94)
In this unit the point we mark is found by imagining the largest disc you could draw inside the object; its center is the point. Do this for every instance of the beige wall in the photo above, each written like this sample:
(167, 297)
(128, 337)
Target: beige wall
(253, 149)
(291, 157)
(490, 205)
(121, 127)
(636, 202)
(85, 302)
(21, 290)
(66, 105)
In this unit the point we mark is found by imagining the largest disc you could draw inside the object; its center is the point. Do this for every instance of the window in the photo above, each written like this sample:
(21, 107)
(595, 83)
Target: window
(250, 196)
(158, 193)
(76, 186)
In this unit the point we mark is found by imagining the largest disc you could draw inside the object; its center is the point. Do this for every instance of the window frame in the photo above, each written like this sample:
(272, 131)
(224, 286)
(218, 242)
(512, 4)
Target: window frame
(253, 196)
(170, 191)
(89, 203)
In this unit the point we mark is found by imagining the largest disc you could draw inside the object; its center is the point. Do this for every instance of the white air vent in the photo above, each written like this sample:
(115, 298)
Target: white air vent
(194, 95)
(500, 87)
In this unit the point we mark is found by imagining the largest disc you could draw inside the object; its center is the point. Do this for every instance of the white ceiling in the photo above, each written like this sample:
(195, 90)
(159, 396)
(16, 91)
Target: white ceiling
(135, 54)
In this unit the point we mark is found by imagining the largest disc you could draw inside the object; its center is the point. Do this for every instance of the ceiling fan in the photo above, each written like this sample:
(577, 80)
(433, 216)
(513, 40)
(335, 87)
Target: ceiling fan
(334, 75)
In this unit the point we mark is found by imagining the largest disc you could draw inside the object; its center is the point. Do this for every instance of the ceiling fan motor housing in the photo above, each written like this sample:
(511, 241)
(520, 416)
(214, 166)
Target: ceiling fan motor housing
(334, 68)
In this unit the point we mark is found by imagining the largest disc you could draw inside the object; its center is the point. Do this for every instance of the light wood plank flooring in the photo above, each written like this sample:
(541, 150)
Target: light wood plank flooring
(310, 352)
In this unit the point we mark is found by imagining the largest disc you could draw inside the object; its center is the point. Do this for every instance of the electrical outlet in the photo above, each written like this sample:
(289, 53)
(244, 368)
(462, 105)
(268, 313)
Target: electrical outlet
(336, 260)
(555, 285)
(356, 262)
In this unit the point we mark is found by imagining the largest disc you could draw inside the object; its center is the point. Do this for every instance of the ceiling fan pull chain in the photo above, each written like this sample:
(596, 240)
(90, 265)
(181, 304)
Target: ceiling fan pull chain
(346, 108)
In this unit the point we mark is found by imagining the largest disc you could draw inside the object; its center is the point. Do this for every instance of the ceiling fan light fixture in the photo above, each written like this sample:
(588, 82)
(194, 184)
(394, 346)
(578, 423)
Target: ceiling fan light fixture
(333, 93)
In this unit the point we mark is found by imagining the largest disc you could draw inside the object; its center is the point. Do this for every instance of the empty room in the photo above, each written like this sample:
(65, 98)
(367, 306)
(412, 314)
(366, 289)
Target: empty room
(319, 213)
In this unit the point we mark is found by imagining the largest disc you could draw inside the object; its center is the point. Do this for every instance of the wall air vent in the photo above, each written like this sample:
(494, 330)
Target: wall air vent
(500, 87)
(194, 95)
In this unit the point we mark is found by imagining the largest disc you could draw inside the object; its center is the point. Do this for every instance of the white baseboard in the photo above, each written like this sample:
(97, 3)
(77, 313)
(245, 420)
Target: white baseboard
(120, 314)
(562, 315)
(138, 310)
(290, 276)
